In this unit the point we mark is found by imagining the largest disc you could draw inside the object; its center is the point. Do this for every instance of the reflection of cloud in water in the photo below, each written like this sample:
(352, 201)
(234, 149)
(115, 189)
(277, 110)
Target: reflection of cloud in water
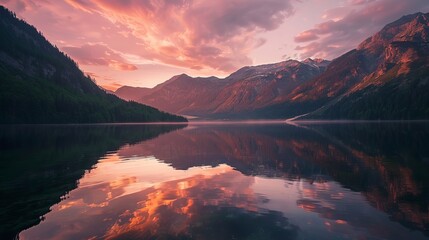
(219, 203)
(219, 207)
(132, 196)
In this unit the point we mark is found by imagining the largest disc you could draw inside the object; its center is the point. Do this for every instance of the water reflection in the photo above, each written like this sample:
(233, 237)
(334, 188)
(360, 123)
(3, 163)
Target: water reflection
(254, 182)
(40, 164)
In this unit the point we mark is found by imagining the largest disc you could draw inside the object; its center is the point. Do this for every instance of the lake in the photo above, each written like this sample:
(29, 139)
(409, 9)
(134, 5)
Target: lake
(215, 181)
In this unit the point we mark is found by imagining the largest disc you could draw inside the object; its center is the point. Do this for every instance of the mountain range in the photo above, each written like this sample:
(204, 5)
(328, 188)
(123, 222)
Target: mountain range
(40, 84)
(385, 77)
(244, 91)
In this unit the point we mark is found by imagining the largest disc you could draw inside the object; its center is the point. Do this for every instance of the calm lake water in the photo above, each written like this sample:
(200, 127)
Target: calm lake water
(215, 181)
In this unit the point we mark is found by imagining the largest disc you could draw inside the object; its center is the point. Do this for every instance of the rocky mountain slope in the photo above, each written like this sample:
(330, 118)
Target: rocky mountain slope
(39, 84)
(237, 95)
(385, 77)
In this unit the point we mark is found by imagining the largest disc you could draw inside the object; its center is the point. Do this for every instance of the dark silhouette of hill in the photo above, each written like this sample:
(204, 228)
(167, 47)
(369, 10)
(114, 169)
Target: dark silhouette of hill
(40, 84)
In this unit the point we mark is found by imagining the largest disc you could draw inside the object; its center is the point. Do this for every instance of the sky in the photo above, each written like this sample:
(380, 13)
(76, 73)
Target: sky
(145, 42)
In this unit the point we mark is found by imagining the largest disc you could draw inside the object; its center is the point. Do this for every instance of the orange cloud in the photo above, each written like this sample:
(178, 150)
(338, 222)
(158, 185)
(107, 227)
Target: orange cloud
(99, 54)
(122, 66)
(306, 36)
(197, 34)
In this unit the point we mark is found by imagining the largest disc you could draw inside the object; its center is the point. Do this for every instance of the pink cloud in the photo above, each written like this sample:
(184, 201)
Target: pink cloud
(335, 37)
(359, 2)
(98, 54)
(306, 36)
(18, 5)
(122, 66)
(210, 36)
(196, 34)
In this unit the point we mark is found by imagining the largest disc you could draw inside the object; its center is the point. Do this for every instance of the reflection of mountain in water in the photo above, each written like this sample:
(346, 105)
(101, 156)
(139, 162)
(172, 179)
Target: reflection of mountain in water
(395, 160)
(260, 150)
(41, 164)
(386, 162)
(219, 204)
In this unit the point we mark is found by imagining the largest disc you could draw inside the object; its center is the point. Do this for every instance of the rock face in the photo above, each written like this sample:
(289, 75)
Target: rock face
(385, 77)
(238, 95)
(39, 84)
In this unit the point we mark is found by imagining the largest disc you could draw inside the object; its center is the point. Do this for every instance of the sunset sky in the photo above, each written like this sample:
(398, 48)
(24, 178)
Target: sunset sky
(145, 42)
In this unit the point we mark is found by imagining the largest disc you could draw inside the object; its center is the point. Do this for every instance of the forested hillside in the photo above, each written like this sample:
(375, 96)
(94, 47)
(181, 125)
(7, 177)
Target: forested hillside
(40, 84)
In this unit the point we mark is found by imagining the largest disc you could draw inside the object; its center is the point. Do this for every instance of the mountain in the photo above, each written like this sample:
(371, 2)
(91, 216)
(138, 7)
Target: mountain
(386, 77)
(39, 84)
(183, 94)
(237, 95)
(131, 93)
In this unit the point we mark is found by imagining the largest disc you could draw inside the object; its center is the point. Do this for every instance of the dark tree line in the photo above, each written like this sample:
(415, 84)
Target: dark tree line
(40, 84)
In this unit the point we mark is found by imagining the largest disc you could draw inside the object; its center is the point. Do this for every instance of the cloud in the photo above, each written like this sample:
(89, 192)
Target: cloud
(344, 31)
(107, 82)
(18, 5)
(306, 36)
(195, 34)
(99, 54)
(359, 2)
